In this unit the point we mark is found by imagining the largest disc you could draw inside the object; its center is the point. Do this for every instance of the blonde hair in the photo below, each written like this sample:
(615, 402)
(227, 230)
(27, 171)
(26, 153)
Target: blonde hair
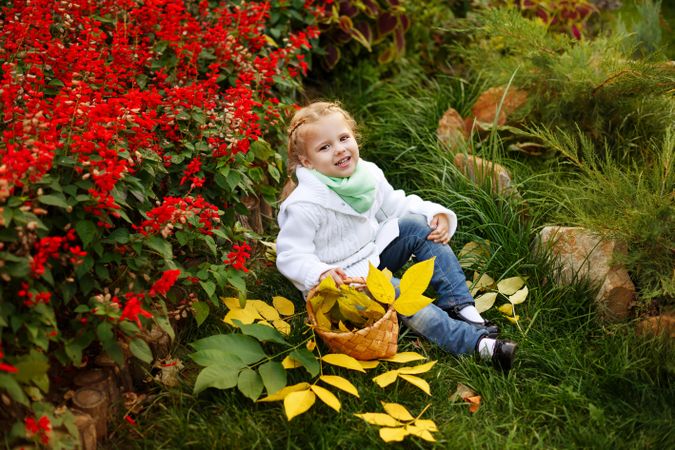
(309, 114)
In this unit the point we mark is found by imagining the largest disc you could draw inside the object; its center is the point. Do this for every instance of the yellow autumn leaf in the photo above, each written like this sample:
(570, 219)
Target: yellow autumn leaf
(298, 402)
(328, 285)
(473, 252)
(416, 279)
(342, 360)
(414, 370)
(417, 381)
(290, 363)
(420, 433)
(506, 308)
(283, 305)
(322, 321)
(409, 303)
(266, 323)
(340, 383)
(485, 301)
(327, 303)
(386, 378)
(519, 297)
(243, 315)
(513, 319)
(483, 282)
(426, 424)
(326, 396)
(282, 327)
(379, 286)
(393, 434)
(380, 419)
(231, 302)
(369, 364)
(509, 286)
(405, 357)
(283, 392)
(267, 311)
(397, 411)
(343, 327)
(311, 345)
(270, 41)
(387, 273)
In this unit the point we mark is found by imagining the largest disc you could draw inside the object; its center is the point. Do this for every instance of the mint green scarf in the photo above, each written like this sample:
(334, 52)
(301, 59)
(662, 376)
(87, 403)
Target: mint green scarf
(357, 190)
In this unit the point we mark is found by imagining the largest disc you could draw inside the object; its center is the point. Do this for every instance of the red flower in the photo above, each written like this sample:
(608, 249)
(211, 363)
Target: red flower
(133, 308)
(238, 257)
(129, 419)
(163, 285)
(42, 428)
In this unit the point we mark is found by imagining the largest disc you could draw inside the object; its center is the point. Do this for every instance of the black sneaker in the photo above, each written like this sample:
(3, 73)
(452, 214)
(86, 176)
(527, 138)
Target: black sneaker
(504, 354)
(491, 328)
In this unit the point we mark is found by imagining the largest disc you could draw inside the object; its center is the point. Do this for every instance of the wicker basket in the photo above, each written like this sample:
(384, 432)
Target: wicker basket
(380, 340)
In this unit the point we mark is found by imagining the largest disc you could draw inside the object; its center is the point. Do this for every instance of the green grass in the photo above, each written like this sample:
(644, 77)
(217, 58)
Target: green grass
(578, 383)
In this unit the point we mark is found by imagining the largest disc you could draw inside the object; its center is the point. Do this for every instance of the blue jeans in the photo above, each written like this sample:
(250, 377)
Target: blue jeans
(433, 322)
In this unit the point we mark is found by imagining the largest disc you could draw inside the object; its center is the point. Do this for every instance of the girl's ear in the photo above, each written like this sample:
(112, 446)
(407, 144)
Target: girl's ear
(305, 161)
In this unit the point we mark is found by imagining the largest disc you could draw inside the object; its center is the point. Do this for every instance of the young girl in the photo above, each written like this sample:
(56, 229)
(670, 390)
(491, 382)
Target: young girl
(343, 214)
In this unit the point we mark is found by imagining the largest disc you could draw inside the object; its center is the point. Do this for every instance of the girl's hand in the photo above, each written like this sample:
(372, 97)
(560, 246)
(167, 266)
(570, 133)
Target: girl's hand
(440, 229)
(338, 275)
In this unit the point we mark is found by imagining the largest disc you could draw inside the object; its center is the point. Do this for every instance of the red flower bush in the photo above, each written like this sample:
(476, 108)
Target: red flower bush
(124, 124)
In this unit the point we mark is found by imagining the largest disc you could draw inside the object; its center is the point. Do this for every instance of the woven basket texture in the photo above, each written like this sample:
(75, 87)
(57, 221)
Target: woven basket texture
(380, 340)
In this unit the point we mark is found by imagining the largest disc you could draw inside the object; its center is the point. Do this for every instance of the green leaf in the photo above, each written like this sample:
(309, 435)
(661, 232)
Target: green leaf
(113, 350)
(209, 287)
(213, 357)
(53, 200)
(161, 246)
(200, 311)
(165, 325)
(307, 359)
(211, 244)
(262, 333)
(141, 350)
(104, 332)
(273, 376)
(86, 230)
(245, 347)
(250, 384)
(238, 282)
(219, 377)
(31, 367)
(8, 383)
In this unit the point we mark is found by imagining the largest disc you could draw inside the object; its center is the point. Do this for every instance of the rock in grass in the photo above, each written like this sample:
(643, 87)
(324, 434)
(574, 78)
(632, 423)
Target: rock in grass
(662, 325)
(580, 253)
(451, 131)
(478, 169)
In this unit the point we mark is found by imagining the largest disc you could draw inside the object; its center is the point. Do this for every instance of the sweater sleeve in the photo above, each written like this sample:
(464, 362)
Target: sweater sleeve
(296, 258)
(397, 204)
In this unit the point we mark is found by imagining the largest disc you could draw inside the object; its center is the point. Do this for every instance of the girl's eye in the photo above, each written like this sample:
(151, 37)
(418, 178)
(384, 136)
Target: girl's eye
(344, 138)
(323, 147)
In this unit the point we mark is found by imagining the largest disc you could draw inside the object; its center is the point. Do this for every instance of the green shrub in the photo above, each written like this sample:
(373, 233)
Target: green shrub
(131, 134)
(591, 85)
(631, 202)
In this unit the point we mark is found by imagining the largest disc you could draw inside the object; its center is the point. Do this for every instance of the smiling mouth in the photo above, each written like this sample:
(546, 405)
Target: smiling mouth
(343, 162)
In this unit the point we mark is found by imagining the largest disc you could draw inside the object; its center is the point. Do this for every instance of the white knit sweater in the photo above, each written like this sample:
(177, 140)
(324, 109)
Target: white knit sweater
(319, 231)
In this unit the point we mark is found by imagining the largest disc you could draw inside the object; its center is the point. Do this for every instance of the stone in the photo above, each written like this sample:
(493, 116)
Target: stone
(580, 253)
(662, 325)
(487, 104)
(478, 169)
(86, 428)
(451, 131)
(94, 402)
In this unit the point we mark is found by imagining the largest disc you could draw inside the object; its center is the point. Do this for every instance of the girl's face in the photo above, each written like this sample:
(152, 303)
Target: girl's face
(330, 146)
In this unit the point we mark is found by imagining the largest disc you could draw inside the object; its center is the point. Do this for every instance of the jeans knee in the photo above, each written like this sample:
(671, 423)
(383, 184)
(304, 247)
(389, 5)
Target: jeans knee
(414, 225)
